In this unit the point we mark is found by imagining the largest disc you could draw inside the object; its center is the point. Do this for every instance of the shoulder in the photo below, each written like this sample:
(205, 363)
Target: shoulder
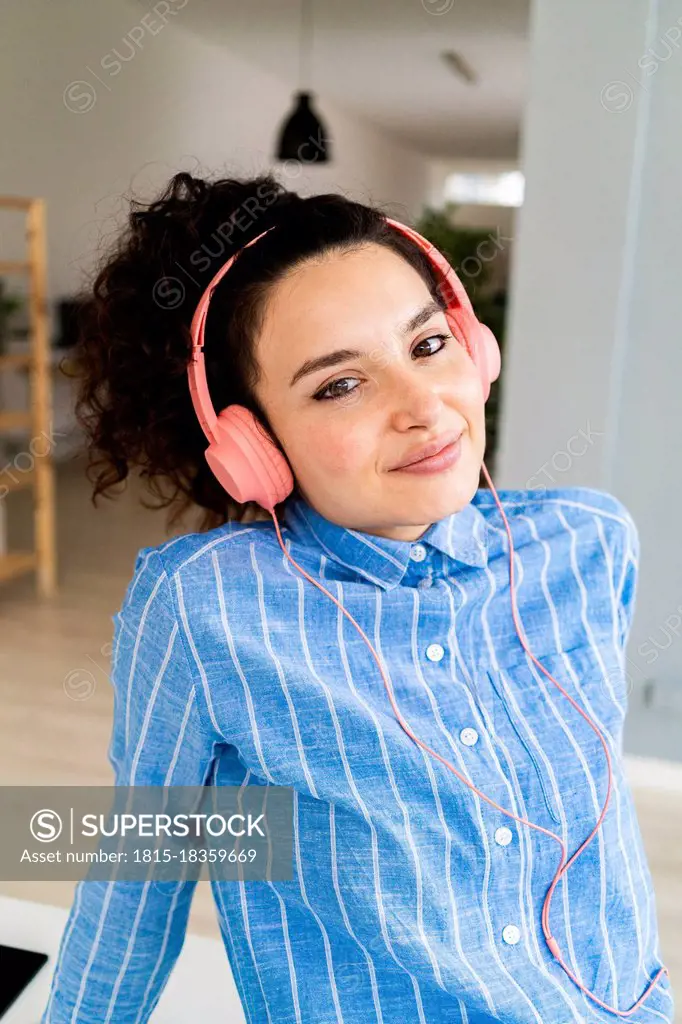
(188, 562)
(192, 552)
(561, 509)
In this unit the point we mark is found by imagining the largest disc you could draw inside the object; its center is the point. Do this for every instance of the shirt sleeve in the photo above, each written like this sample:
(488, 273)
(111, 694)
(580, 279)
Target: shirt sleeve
(626, 569)
(122, 938)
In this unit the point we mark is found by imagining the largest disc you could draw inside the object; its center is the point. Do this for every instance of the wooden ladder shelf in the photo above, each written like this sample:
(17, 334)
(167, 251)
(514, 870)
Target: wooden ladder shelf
(36, 469)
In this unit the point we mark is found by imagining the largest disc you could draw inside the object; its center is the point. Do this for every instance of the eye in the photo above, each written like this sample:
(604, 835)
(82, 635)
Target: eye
(323, 395)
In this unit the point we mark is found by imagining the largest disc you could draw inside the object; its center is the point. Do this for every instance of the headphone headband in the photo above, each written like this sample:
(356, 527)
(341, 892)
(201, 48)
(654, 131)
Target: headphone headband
(198, 384)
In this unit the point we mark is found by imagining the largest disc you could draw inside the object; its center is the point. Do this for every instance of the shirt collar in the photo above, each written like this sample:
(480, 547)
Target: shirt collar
(463, 536)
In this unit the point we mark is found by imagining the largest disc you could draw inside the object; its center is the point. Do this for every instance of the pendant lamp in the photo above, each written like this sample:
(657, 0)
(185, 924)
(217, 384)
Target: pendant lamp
(303, 137)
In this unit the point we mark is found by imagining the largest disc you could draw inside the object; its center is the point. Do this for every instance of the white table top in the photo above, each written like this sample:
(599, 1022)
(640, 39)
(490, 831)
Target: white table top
(199, 987)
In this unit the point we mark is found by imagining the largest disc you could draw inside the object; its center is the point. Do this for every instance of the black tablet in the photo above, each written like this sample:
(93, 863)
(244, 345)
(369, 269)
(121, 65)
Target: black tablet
(18, 967)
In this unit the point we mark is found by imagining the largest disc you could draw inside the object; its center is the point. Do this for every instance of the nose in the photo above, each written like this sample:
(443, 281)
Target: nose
(414, 399)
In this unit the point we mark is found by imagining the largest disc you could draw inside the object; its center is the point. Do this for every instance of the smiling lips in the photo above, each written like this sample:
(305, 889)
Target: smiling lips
(427, 451)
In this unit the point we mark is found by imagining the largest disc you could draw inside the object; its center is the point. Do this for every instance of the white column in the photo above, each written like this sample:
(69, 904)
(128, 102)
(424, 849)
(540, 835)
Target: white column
(594, 351)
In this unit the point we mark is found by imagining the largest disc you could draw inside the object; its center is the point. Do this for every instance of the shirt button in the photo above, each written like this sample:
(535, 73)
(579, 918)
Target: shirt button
(434, 652)
(503, 836)
(511, 934)
(426, 582)
(469, 737)
(418, 552)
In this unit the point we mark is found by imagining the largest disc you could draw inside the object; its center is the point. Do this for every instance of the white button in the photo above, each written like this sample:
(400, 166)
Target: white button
(469, 737)
(426, 582)
(503, 836)
(418, 552)
(434, 652)
(511, 934)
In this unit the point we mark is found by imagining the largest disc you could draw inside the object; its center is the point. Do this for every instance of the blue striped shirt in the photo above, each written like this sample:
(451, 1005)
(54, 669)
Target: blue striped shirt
(412, 900)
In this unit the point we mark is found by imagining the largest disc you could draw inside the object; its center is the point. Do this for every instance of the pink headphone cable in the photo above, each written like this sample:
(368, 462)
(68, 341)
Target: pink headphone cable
(551, 941)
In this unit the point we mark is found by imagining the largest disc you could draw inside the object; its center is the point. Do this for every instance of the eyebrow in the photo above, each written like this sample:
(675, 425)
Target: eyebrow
(342, 354)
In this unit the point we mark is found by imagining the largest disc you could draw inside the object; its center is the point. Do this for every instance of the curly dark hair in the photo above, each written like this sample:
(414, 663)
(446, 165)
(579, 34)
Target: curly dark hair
(133, 336)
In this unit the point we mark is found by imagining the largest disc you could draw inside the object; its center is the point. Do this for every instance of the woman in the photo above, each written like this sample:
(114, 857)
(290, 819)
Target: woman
(412, 897)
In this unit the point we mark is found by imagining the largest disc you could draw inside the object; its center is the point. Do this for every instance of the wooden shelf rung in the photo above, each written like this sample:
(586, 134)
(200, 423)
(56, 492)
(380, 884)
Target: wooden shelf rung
(15, 267)
(16, 563)
(15, 360)
(16, 480)
(16, 202)
(20, 418)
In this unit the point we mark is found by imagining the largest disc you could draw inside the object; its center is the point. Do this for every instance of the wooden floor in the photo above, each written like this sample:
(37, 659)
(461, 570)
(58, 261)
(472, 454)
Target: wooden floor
(56, 700)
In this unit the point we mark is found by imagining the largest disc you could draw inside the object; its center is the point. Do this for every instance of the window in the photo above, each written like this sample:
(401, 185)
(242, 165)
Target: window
(504, 189)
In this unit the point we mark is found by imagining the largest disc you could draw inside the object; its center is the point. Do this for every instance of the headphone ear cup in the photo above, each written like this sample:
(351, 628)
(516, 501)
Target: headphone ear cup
(490, 357)
(245, 460)
(480, 343)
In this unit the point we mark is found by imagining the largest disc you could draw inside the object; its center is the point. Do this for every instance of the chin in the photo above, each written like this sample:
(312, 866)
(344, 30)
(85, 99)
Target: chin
(428, 499)
(457, 496)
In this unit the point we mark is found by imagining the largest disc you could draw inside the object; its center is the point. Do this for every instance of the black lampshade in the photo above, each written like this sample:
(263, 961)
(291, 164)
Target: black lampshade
(303, 136)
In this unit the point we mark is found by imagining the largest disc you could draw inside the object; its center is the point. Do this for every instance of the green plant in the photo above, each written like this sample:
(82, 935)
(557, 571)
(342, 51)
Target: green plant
(9, 305)
(464, 249)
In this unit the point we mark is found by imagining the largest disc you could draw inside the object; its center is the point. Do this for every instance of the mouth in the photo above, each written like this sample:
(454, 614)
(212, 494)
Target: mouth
(446, 445)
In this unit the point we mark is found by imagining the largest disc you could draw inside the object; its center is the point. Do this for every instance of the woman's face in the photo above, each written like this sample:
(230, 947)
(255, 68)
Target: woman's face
(401, 387)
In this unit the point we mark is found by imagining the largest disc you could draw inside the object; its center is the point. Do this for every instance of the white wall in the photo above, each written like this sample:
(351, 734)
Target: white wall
(179, 103)
(594, 329)
(99, 104)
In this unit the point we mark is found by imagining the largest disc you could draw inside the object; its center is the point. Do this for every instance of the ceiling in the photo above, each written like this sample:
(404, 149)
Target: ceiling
(380, 59)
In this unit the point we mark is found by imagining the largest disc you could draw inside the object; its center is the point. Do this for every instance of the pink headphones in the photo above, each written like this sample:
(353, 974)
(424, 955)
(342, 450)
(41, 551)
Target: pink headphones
(246, 462)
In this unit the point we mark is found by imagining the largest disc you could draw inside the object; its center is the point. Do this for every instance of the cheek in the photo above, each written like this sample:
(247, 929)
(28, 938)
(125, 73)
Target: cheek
(334, 451)
(465, 385)
(473, 406)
